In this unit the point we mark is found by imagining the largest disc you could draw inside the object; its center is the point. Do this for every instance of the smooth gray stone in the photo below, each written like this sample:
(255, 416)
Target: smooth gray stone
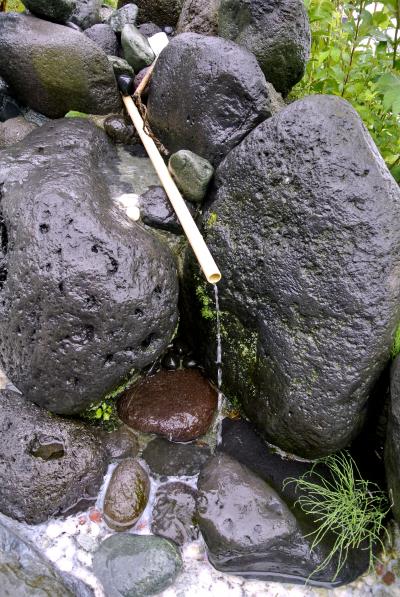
(123, 16)
(104, 37)
(14, 130)
(191, 173)
(171, 459)
(87, 13)
(137, 50)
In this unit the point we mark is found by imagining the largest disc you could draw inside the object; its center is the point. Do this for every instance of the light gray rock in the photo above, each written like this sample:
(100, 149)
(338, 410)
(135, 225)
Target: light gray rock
(199, 16)
(14, 130)
(191, 173)
(120, 67)
(123, 16)
(66, 70)
(137, 50)
(87, 13)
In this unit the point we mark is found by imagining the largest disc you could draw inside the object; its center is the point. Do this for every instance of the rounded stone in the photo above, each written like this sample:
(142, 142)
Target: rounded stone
(174, 513)
(205, 95)
(122, 443)
(104, 37)
(176, 404)
(87, 13)
(121, 67)
(126, 496)
(119, 131)
(166, 458)
(137, 50)
(126, 15)
(14, 130)
(277, 33)
(191, 173)
(52, 10)
(136, 565)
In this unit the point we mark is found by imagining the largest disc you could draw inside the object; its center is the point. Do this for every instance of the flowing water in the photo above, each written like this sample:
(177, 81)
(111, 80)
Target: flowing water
(218, 362)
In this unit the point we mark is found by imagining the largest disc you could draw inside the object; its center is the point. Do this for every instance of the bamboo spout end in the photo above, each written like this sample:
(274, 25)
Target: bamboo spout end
(214, 278)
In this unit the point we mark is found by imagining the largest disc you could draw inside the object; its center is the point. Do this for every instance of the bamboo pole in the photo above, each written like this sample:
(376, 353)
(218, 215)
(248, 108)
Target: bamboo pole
(193, 234)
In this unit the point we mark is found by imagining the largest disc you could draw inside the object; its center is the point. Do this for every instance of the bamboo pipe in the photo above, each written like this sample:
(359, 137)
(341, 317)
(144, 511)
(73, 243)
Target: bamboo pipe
(193, 234)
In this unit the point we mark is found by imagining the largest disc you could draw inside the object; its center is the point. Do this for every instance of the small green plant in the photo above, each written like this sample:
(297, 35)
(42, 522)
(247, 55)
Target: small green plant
(344, 506)
(396, 343)
(212, 220)
(207, 311)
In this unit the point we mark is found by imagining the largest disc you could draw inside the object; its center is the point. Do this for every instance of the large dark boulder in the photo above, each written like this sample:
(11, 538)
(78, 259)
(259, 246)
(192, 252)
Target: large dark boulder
(305, 227)
(53, 10)
(392, 447)
(86, 295)
(160, 12)
(48, 465)
(54, 69)
(206, 94)
(24, 572)
(276, 31)
(249, 529)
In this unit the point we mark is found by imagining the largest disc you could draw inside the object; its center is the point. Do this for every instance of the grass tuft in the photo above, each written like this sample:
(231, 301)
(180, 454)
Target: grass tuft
(346, 506)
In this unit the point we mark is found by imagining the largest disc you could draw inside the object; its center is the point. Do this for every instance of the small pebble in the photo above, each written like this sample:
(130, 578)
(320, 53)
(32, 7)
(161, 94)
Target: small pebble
(133, 212)
(95, 516)
(388, 578)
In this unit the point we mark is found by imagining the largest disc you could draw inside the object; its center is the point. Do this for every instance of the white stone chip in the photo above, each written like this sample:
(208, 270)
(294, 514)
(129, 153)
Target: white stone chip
(133, 212)
(158, 42)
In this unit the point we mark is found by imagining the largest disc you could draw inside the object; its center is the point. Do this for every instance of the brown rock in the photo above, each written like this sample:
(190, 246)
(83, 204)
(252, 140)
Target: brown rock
(126, 496)
(121, 443)
(176, 404)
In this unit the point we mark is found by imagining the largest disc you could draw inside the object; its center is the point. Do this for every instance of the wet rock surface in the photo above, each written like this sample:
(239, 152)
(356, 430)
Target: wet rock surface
(277, 33)
(126, 496)
(24, 572)
(167, 458)
(104, 37)
(126, 15)
(319, 285)
(120, 66)
(137, 50)
(65, 69)
(160, 12)
(53, 10)
(392, 447)
(14, 130)
(87, 13)
(83, 287)
(119, 444)
(191, 173)
(206, 94)
(174, 513)
(120, 131)
(249, 530)
(178, 405)
(48, 465)
(199, 16)
(156, 211)
(136, 565)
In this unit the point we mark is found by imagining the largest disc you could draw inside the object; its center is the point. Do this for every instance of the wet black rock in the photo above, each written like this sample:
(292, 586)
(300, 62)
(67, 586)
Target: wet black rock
(278, 33)
(126, 496)
(119, 444)
(14, 130)
(87, 13)
(166, 458)
(149, 29)
(161, 12)
(156, 211)
(86, 294)
(24, 572)
(104, 37)
(120, 131)
(249, 530)
(154, 564)
(315, 326)
(53, 10)
(199, 16)
(65, 69)
(206, 94)
(9, 108)
(174, 513)
(392, 447)
(48, 465)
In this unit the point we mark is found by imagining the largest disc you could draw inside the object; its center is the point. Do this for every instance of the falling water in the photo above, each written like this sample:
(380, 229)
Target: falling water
(218, 362)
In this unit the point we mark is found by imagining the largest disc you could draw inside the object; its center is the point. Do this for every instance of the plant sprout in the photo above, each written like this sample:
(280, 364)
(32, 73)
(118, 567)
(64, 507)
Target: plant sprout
(344, 505)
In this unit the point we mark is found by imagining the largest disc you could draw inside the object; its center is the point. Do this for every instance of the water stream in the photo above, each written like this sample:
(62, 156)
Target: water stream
(218, 362)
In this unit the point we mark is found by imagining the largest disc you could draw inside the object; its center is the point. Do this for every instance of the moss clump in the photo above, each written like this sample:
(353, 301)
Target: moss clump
(212, 220)
(14, 6)
(206, 303)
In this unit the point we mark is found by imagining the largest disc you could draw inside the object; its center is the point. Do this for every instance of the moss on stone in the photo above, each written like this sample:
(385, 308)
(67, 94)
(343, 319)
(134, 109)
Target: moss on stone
(60, 70)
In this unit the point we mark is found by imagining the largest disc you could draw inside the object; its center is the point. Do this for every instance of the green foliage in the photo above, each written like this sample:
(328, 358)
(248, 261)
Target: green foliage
(356, 54)
(112, 3)
(207, 306)
(75, 114)
(212, 220)
(14, 6)
(104, 414)
(344, 505)
(396, 343)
